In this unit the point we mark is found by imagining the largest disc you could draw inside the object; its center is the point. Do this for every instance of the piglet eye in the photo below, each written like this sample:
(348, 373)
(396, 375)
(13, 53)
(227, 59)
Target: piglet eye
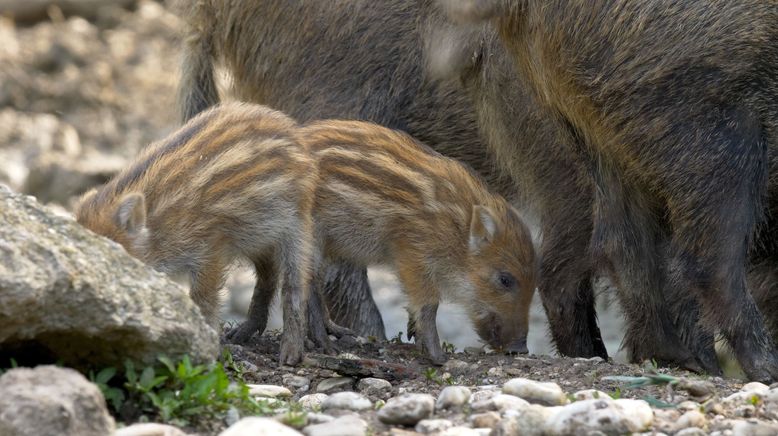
(506, 280)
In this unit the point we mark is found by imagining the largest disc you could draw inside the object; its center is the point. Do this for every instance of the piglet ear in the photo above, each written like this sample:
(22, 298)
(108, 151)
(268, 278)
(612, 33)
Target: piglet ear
(131, 213)
(483, 227)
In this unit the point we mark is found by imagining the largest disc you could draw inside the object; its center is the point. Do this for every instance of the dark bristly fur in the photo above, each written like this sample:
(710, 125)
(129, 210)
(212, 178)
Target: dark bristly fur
(312, 60)
(675, 105)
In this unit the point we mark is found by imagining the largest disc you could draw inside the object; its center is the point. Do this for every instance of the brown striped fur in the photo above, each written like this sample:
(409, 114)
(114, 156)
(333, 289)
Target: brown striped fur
(384, 198)
(245, 181)
(232, 183)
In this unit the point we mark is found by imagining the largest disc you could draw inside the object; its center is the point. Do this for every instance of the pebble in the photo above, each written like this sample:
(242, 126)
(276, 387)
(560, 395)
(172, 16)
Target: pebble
(485, 420)
(700, 389)
(483, 394)
(500, 403)
(691, 431)
(463, 431)
(745, 411)
(756, 387)
(407, 409)
(312, 401)
(335, 384)
(318, 418)
(349, 425)
(269, 391)
(590, 394)
(255, 426)
(608, 416)
(688, 405)
(149, 429)
(753, 427)
(532, 418)
(741, 398)
(375, 387)
(495, 372)
(296, 381)
(546, 393)
(347, 400)
(427, 426)
(692, 418)
(456, 367)
(452, 397)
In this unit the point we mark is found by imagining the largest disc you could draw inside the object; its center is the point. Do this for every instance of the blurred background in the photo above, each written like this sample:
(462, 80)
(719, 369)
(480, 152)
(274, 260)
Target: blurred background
(85, 84)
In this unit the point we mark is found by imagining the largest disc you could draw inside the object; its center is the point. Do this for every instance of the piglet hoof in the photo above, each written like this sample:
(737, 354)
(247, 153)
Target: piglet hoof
(291, 352)
(241, 334)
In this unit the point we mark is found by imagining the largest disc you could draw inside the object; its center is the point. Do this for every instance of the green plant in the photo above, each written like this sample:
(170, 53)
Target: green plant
(179, 392)
(398, 339)
(616, 394)
(431, 374)
(449, 347)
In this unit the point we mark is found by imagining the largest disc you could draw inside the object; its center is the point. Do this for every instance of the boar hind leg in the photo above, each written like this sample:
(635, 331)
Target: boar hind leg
(346, 292)
(627, 239)
(261, 301)
(423, 309)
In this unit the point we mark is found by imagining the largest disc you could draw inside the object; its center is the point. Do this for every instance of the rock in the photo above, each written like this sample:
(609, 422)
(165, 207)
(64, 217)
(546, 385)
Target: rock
(335, 384)
(55, 177)
(452, 397)
(485, 420)
(296, 381)
(318, 418)
(590, 394)
(741, 398)
(530, 420)
(549, 394)
(753, 427)
(455, 367)
(349, 425)
(700, 389)
(149, 429)
(688, 406)
(755, 387)
(375, 387)
(462, 431)
(255, 426)
(312, 401)
(745, 411)
(407, 409)
(84, 299)
(348, 401)
(269, 391)
(607, 416)
(427, 426)
(48, 400)
(691, 431)
(483, 394)
(499, 403)
(692, 418)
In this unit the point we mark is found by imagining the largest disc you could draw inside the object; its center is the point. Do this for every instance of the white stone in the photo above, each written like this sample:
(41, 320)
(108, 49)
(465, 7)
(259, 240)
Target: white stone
(452, 397)
(375, 387)
(269, 391)
(312, 401)
(335, 384)
(483, 394)
(615, 416)
(427, 426)
(755, 387)
(296, 381)
(691, 431)
(318, 418)
(741, 398)
(692, 418)
(462, 431)
(500, 403)
(407, 409)
(349, 425)
(149, 429)
(591, 394)
(347, 400)
(255, 426)
(753, 427)
(546, 393)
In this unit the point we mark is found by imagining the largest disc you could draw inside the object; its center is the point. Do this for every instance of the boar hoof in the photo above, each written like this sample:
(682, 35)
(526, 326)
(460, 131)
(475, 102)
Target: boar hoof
(241, 334)
(291, 353)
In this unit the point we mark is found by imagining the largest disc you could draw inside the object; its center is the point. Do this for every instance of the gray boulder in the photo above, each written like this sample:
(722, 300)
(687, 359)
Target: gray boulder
(49, 400)
(73, 295)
